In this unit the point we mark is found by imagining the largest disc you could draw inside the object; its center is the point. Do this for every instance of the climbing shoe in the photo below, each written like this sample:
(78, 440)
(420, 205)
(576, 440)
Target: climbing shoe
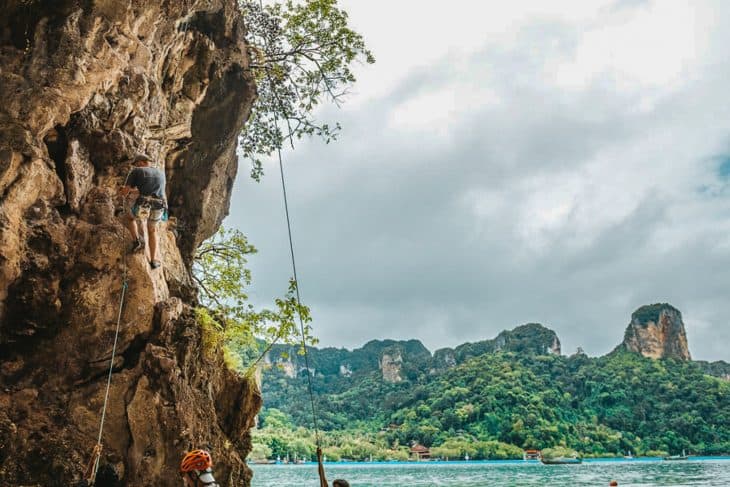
(155, 264)
(138, 245)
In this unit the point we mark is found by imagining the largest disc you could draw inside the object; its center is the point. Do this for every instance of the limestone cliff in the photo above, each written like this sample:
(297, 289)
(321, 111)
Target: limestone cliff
(530, 338)
(85, 85)
(391, 363)
(657, 331)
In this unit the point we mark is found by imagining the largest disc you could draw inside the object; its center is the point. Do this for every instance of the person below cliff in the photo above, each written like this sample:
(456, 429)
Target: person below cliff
(148, 183)
(196, 468)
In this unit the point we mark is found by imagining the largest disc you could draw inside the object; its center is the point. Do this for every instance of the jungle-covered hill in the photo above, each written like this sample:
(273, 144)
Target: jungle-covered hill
(516, 389)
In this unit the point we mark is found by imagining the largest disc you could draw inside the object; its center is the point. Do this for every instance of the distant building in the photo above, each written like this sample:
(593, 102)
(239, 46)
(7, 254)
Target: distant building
(531, 455)
(420, 452)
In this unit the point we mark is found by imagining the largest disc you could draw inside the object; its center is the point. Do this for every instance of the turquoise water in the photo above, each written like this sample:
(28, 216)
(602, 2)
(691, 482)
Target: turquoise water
(634, 473)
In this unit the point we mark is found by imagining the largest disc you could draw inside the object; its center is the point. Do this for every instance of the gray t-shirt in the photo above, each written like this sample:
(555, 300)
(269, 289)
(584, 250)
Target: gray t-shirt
(150, 181)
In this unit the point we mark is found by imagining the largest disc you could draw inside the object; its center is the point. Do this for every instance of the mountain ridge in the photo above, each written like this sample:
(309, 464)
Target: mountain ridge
(641, 336)
(514, 391)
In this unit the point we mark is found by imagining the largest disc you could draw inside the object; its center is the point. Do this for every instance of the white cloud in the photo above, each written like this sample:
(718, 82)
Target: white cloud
(656, 46)
(503, 163)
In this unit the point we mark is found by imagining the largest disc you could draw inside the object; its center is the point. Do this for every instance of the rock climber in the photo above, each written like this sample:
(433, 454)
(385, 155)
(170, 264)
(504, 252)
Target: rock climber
(196, 468)
(148, 184)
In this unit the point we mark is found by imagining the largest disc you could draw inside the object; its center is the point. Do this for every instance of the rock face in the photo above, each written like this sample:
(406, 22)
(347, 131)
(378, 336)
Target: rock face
(530, 338)
(657, 331)
(394, 358)
(85, 86)
(390, 366)
(400, 360)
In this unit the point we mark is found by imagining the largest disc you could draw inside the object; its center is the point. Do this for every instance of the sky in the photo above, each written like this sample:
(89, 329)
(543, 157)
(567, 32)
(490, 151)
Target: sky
(502, 163)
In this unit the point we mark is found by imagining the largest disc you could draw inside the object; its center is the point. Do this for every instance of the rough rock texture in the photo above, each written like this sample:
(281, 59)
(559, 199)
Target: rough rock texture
(530, 338)
(444, 358)
(390, 366)
(86, 85)
(657, 331)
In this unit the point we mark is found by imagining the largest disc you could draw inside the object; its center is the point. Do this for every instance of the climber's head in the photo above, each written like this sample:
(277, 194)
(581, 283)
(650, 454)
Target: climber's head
(196, 460)
(141, 160)
(196, 468)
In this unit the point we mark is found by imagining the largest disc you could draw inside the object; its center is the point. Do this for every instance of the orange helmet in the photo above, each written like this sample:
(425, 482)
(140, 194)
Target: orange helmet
(196, 460)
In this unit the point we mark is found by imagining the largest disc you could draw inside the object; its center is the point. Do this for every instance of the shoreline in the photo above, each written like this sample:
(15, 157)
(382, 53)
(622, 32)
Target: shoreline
(487, 462)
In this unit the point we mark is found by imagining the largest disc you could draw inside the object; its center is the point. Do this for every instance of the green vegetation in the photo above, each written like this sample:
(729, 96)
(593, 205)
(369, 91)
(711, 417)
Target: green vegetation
(559, 452)
(495, 404)
(225, 314)
(302, 53)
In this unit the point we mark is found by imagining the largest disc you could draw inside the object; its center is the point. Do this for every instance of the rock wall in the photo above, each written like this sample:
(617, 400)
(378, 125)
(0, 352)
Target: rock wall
(390, 366)
(530, 338)
(657, 331)
(86, 85)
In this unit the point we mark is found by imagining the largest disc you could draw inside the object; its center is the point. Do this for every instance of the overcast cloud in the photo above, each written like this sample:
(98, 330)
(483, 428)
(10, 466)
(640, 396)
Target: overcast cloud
(561, 164)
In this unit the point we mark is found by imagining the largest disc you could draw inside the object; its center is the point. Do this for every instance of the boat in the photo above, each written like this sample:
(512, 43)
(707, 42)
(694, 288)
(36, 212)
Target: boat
(562, 461)
(531, 455)
(629, 456)
(671, 458)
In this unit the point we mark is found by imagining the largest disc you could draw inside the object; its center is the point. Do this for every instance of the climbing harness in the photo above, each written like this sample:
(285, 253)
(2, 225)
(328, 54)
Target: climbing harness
(145, 205)
(93, 466)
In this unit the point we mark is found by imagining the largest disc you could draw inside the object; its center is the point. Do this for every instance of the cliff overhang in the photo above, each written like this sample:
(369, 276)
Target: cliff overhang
(85, 86)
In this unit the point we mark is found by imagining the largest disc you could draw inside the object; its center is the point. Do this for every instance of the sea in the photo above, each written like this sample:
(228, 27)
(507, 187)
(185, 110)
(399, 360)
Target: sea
(643, 472)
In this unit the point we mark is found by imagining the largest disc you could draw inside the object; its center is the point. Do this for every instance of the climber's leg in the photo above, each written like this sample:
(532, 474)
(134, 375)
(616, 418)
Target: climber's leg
(133, 225)
(152, 225)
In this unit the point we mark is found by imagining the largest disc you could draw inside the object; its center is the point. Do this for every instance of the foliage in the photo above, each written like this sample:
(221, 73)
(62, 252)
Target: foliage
(597, 406)
(559, 452)
(302, 54)
(226, 315)
(219, 269)
(212, 331)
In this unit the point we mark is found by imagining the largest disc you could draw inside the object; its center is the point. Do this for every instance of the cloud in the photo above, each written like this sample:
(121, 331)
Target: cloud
(484, 187)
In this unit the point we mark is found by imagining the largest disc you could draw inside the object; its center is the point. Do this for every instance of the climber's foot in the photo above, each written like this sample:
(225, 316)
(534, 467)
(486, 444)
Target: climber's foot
(138, 245)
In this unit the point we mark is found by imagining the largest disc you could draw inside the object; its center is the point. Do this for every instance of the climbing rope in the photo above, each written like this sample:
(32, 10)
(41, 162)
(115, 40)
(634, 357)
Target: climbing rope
(299, 301)
(93, 466)
(318, 441)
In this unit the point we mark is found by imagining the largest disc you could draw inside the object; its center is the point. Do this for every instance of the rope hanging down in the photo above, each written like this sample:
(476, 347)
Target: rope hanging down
(322, 477)
(93, 466)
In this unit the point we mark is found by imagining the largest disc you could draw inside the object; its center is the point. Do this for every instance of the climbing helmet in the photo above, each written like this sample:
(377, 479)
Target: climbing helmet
(196, 460)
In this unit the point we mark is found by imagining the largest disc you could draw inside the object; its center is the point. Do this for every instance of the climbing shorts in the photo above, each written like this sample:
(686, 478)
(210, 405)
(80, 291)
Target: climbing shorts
(149, 208)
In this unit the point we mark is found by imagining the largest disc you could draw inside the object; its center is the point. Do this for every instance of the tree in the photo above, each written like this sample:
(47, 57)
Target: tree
(219, 269)
(301, 55)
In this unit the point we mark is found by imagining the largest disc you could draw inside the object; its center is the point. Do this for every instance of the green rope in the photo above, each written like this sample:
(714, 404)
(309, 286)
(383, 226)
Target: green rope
(125, 286)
